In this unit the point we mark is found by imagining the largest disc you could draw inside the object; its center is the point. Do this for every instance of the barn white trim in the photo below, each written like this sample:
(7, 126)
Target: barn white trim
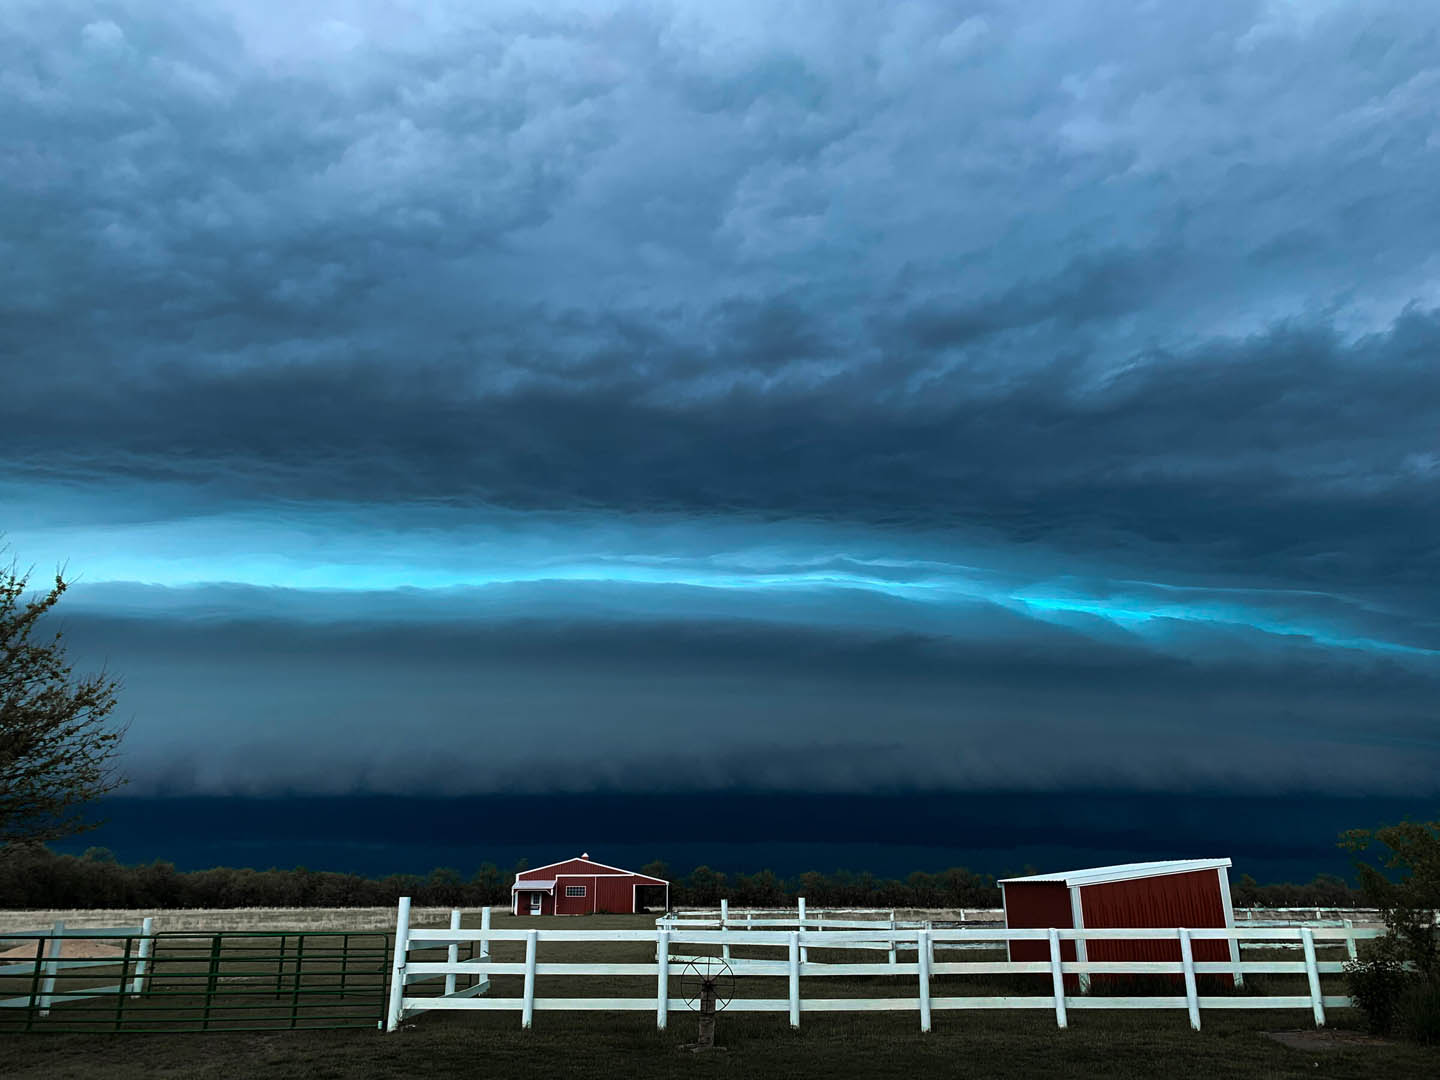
(618, 872)
(1099, 875)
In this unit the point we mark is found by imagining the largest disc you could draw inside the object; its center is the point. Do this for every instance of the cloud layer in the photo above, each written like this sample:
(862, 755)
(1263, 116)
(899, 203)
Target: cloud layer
(1068, 378)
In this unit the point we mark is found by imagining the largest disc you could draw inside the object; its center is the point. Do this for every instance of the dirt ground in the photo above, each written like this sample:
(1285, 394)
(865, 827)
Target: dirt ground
(88, 949)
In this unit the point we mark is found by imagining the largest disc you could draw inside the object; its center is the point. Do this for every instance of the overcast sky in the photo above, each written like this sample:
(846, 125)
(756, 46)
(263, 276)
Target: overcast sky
(456, 397)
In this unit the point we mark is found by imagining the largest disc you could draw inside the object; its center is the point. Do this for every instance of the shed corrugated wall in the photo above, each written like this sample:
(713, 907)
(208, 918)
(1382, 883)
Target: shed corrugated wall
(1170, 900)
(615, 896)
(575, 905)
(1042, 905)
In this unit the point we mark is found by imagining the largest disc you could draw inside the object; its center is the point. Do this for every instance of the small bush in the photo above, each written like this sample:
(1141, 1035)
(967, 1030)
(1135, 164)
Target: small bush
(1417, 1012)
(1377, 985)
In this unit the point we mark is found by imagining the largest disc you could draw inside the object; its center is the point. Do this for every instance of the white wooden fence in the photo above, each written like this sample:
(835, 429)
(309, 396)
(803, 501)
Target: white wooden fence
(52, 944)
(776, 916)
(921, 942)
(845, 918)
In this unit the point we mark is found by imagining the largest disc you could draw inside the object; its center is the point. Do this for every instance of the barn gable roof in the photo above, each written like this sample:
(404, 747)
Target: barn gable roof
(1122, 872)
(585, 866)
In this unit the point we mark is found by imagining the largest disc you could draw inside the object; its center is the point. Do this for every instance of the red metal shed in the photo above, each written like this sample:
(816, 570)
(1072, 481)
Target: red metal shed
(581, 887)
(1183, 892)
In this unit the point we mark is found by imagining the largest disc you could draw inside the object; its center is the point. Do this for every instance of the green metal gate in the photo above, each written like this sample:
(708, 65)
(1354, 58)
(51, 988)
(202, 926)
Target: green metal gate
(181, 981)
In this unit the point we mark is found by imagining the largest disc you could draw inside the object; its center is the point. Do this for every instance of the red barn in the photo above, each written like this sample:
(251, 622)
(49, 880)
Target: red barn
(581, 887)
(1191, 893)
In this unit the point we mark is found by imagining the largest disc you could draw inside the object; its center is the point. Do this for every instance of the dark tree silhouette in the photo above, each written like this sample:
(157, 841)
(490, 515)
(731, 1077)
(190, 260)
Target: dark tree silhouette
(1408, 904)
(57, 743)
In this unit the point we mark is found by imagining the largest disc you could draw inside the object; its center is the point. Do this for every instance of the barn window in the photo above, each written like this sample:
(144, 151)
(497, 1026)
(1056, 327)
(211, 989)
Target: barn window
(574, 890)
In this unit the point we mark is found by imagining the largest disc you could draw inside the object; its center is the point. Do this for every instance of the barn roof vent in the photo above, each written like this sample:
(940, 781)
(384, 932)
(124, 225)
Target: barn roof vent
(585, 854)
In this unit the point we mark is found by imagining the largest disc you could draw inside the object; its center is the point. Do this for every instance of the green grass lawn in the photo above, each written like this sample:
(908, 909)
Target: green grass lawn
(963, 1043)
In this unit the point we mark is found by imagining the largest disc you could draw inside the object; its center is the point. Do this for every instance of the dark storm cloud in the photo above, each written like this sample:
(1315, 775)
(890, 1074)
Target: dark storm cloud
(1290, 453)
(1029, 349)
(588, 704)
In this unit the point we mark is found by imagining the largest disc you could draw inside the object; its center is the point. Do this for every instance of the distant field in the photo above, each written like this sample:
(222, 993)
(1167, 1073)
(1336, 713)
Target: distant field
(274, 918)
(374, 918)
(357, 918)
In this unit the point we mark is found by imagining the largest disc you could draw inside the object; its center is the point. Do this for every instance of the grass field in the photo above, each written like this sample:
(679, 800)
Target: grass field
(1000, 1044)
(592, 1045)
(211, 919)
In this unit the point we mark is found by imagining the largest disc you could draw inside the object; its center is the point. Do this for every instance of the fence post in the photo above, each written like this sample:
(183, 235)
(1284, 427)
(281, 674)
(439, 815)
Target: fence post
(397, 973)
(120, 989)
(1187, 961)
(295, 987)
(142, 962)
(1236, 973)
(795, 979)
(725, 927)
(894, 952)
(527, 1014)
(53, 948)
(213, 978)
(804, 952)
(925, 954)
(1312, 973)
(1350, 939)
(1057, 980)
(452, 954)
(484, 944)
(41, 944)
(662, 979)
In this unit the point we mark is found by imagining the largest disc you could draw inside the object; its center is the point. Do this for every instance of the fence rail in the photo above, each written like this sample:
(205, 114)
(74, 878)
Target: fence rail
(923, 943)
(749, 920)
(821, 917)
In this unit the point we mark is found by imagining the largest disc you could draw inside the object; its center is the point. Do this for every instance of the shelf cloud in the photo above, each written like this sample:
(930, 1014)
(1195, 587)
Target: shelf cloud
(829, 397)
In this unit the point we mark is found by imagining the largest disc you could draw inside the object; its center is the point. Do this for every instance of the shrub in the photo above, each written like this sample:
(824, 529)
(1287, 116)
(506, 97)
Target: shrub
(1377, 984)
(1418, 1011)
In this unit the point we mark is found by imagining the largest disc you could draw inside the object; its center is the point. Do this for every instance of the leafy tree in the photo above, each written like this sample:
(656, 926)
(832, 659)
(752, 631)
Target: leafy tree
(704, 887)
(1397, 984)
(488, 884)
(445, 886)
(1408, 904)
(56, 739)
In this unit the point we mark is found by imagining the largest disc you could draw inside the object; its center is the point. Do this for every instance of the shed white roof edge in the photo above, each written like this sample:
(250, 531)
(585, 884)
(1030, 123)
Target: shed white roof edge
(1123, 872)
(534, 885)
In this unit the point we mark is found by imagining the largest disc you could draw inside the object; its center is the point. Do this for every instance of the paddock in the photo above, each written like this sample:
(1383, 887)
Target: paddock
(794, 964)
(870, 969)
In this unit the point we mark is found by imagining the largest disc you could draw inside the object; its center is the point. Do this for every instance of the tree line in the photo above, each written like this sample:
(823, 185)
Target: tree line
(34, 877)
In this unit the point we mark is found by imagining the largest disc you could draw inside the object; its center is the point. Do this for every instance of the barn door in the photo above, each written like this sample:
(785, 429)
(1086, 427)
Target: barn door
(535, 903)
